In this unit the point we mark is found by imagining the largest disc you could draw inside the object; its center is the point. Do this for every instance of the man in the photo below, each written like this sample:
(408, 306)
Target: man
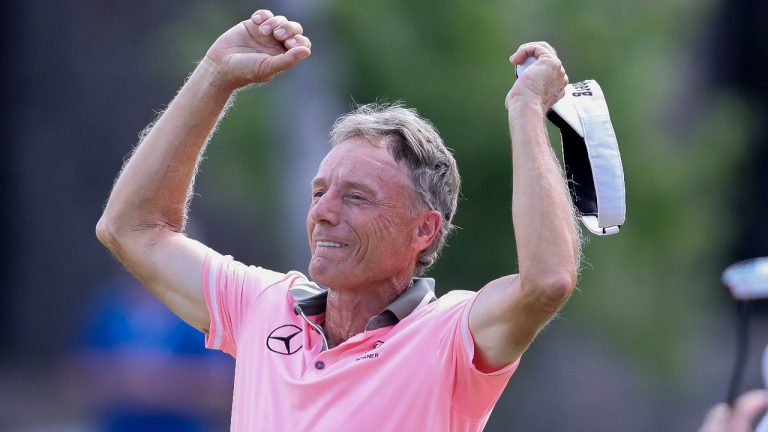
(373, 349)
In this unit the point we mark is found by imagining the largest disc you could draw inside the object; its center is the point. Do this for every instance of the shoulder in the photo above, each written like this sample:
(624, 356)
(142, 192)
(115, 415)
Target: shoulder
(220, 267)
(278, 284)
(271, 278)
(449, 306)
(229, 278)
(456, 296)
(453, 299)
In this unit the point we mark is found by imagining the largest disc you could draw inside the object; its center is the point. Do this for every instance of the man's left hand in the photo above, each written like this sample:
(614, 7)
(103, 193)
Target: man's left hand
(542, 83)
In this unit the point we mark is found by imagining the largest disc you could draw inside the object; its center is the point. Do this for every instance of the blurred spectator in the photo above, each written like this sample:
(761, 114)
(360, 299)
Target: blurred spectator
(739, 418)
(137, 367)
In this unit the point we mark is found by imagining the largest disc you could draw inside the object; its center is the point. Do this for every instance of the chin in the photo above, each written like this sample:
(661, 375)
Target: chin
(324, 279)
(321, 273)
(329, 275)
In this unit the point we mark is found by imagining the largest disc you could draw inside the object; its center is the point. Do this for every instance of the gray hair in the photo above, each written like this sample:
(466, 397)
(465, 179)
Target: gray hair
(414, 140)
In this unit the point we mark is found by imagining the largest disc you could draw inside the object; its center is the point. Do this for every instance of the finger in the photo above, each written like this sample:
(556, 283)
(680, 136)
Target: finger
(547, 46)
(531, 49)
(269, 25)
(288, 29)
(297, 41)
(746, 410)
(261, 15)
(287, 60)
(716, 419)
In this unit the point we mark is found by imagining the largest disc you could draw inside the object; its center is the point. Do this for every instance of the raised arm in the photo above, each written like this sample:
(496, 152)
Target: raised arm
(510, 311)
(143, 221)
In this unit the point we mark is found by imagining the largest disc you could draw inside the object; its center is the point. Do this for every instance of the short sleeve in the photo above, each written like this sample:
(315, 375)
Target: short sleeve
(230, 288)
(475, 392)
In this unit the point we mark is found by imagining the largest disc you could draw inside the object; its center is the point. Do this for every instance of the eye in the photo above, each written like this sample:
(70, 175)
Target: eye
(357, 197)
(317, 193)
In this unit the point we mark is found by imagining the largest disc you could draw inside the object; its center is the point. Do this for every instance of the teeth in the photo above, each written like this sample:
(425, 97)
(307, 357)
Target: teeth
(328, 244)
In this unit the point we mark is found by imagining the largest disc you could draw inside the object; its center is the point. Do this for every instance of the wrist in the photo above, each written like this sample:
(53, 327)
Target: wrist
(519, 107)
(209, 74)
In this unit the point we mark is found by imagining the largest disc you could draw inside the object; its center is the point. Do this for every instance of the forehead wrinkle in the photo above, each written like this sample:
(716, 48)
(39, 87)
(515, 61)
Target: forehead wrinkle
(342, 171)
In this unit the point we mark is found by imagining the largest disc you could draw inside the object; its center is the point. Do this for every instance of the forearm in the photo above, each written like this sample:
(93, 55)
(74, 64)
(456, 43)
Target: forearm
(545, 229)
(153, 188)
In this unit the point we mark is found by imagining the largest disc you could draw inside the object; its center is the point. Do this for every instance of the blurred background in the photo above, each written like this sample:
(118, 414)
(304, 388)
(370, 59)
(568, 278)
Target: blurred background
(647, 343)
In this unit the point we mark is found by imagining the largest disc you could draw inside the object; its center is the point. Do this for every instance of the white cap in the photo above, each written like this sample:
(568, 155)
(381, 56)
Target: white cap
(591, 155)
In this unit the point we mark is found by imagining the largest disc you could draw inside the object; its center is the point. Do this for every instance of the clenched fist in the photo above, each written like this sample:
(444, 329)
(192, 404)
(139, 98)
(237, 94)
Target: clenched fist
(257, 49)
(543, 82)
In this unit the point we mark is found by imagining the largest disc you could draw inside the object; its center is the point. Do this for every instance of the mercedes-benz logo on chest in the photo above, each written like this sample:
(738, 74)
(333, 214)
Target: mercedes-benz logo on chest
(285, 340)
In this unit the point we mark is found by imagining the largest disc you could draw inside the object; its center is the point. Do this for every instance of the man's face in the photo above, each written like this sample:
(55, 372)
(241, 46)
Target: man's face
(361, 225)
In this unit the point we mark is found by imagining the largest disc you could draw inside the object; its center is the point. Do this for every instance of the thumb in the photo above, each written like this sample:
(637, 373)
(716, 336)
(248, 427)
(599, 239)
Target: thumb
(288, 59)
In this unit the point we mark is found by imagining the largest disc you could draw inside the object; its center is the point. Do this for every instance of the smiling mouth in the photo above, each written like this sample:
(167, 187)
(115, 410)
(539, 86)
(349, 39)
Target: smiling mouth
(324, 243)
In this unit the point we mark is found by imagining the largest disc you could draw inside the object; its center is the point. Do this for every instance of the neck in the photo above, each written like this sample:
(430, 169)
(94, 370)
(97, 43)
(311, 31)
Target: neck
(348, 311)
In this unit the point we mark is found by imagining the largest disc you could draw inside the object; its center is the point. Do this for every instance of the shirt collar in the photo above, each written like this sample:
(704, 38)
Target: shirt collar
(311, 299)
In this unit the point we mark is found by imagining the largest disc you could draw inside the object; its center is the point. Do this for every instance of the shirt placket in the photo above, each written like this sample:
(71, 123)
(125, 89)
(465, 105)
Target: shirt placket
(353, 347)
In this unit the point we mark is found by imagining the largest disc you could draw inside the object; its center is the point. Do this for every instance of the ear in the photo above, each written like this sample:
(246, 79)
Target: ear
(429, 226)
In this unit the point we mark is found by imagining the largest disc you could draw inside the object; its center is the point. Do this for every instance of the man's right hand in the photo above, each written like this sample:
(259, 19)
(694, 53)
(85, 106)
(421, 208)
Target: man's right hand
(143, 221)
(257, 49)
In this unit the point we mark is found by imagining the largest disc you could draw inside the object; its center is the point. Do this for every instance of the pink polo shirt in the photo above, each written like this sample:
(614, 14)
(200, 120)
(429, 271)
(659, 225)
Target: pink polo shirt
(404, 373)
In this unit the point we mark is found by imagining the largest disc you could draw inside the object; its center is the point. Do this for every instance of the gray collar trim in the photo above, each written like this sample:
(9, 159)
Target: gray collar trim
(311, 299)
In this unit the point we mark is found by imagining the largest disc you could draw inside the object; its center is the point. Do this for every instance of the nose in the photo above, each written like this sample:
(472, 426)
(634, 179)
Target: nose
(325, 209)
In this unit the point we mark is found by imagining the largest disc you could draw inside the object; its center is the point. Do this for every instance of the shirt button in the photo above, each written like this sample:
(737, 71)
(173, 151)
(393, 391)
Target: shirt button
(319, 365)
